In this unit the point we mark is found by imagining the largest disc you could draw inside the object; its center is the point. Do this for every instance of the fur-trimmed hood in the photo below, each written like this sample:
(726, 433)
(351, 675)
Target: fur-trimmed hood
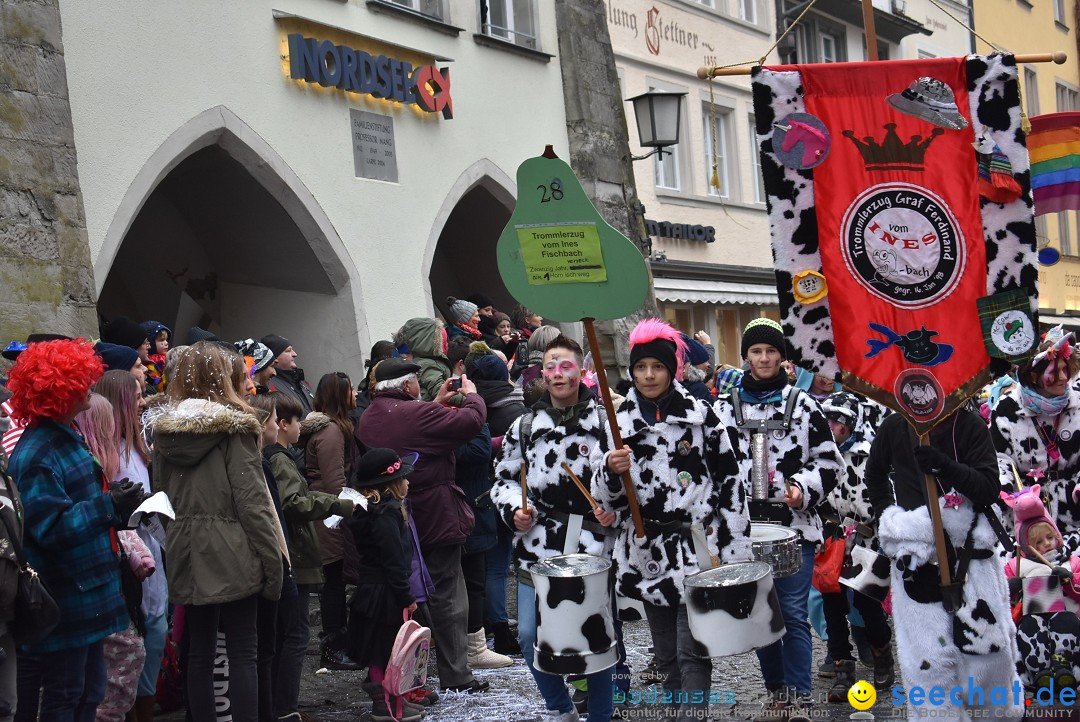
(187, 431)
(313, 423)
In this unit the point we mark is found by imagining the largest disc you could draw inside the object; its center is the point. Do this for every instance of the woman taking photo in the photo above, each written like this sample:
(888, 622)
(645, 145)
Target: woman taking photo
(225, 545)
(327, 437)
(1034, 428)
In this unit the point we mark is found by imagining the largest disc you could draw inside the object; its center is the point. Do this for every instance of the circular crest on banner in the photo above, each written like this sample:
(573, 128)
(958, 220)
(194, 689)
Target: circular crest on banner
(903, 244)
(1012, 333)
(801, 141)
(920, 394)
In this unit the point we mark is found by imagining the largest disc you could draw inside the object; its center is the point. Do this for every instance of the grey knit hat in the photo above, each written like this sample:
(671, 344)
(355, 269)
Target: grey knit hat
(460, 311)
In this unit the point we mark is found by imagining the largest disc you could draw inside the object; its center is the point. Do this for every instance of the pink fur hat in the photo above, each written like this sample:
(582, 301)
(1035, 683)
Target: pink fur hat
(1029, 510)
(653, 338)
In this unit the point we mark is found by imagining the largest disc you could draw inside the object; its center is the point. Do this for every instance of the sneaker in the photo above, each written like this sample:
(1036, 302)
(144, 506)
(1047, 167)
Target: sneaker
(472, 687)
(862, 643)
(884, 674)
(651, 675)
(337, 659)
(845, 677)
(580, 698)
(827, 669)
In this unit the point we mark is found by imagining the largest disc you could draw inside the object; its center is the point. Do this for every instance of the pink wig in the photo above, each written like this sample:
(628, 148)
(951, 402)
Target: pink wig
(653, 329)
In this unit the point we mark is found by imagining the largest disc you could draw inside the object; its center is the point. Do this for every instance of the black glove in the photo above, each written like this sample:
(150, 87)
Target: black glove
(1016, 587)
(126, 497)
(1064, 574)
(931, 460)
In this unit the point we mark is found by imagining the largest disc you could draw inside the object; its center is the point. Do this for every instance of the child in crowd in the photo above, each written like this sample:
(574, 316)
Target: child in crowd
(383, 592)
(302, 508)
(159, 336)
(1048, 585)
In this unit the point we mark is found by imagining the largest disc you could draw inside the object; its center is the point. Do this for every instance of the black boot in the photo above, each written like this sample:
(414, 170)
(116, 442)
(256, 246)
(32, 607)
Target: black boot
(505, 643)
(334, 657)
(884, 675)
(845, 677)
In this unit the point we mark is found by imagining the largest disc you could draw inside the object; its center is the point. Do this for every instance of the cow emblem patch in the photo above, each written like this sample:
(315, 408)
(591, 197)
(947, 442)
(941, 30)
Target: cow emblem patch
(920, 393)
(903, 244)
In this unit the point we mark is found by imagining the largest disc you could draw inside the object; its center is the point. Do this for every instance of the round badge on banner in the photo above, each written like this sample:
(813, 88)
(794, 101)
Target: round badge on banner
(920, 393)
(809, 286)
(1049, 256)
(1012, 333)
(801, 141)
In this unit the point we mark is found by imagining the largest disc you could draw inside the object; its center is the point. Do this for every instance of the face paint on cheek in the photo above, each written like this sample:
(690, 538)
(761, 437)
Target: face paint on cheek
(566, 368)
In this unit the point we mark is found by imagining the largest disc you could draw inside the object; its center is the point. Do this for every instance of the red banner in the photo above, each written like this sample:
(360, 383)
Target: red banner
(901, 237)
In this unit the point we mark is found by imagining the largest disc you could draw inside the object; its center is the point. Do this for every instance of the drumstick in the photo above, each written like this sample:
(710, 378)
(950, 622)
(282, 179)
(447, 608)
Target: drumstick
(524, 492)
(580, 486)
(1041, 558)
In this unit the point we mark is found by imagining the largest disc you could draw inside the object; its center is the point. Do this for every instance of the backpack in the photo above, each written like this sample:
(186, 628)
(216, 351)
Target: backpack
(406, 669)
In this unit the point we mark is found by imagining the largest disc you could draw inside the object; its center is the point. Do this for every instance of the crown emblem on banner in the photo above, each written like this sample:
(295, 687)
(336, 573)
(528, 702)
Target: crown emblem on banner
(892, 153)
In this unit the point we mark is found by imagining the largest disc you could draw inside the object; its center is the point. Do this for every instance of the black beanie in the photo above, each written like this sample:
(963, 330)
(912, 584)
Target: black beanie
(482, 300)
(763, 330)
(276, 344)
(660, 349)
(124, 332)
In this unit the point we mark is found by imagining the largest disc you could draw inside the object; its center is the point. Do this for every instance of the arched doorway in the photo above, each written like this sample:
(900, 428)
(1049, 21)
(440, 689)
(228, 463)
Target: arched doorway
(463, 260)
(218, 232)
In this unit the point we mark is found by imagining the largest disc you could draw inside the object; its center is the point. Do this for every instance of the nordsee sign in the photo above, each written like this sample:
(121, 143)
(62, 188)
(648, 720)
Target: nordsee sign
(339, 66)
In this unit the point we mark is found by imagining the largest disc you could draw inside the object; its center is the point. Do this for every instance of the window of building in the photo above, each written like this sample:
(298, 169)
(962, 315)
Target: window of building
(706, 3)
(716, 124)
(925, 54)
(1065, 234)
(513, 20)
(755, 163)
(827, 48)
(1068, 97)
(1059, 11)
(431, 8)
(668, 168)
(748, 10)
(1031, 91)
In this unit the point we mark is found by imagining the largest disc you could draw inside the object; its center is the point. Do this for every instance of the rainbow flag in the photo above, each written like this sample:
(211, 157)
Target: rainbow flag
(1054, 147)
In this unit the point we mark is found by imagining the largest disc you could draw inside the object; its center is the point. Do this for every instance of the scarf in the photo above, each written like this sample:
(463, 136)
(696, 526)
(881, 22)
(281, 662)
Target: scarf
(1041, 405)
(762, 391)
(471, 330)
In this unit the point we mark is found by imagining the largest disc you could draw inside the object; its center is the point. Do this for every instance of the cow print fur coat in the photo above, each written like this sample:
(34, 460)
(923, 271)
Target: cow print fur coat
(1016, 440)
(805, 456)
(685, 471)
(850, 498)
(549, 486)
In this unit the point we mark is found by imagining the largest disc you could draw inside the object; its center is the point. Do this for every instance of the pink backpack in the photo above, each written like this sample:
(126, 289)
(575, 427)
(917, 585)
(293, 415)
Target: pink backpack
(407, 668)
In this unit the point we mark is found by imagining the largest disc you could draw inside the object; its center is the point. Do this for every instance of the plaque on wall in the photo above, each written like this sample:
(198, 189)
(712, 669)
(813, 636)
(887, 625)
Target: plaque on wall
(374, 153)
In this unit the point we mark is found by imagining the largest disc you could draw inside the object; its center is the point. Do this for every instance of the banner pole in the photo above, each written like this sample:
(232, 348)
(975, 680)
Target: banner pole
(1059, 57)
(616, 437)
(935, 518)
(869, 30)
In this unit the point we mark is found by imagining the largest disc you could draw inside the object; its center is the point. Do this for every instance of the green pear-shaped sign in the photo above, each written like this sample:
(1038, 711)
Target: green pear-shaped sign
(559, 257)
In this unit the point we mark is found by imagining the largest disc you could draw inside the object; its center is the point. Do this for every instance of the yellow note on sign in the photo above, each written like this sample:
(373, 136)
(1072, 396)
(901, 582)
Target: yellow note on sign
(562, 253)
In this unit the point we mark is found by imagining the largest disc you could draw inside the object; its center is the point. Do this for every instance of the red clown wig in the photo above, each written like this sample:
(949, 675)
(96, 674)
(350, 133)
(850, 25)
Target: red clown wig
(653, 338)
(52, 378)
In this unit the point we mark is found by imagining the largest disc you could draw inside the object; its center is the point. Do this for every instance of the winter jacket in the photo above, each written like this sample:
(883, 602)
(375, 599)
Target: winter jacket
(1017, 441)
(328, 461)
(225, 543)
(386, 549)
(425, 342)
(504, 402)
(806, 456)
(303, 509)
(397, 421)
(571, 437)
(288, 581)
(66, 526)
(291, 381)
(685, 471)
(12, 511)
(473, 474)
(850, 498)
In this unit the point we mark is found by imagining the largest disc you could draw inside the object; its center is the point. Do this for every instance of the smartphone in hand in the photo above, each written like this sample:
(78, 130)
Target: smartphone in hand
(455, 385)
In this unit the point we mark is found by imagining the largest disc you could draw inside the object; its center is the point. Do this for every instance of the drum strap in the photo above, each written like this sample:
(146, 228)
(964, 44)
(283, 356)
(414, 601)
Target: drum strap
(701, 546)
(763, 425)
(573, 533)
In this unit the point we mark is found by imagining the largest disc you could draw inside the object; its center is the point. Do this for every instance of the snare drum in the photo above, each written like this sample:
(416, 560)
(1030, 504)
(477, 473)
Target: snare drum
(733, 608)
(777, 546)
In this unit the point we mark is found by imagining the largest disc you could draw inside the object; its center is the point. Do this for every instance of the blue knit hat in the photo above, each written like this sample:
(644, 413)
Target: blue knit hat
(116, 357)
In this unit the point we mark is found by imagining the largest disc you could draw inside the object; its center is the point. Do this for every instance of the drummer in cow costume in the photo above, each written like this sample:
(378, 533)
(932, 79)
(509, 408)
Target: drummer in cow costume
(803, 465)
(693, 505)
(1036, 428)
(566, 425)
(966, 638)
(847, 511)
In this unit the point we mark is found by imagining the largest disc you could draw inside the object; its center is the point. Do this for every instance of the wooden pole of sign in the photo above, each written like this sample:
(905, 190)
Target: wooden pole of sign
(935, 518)
(616, 437)
(869, 30)
(524, 490)
(1058, 57)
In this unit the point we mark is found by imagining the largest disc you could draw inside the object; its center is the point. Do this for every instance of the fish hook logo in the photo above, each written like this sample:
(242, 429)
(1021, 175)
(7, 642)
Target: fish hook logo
(652, 32)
